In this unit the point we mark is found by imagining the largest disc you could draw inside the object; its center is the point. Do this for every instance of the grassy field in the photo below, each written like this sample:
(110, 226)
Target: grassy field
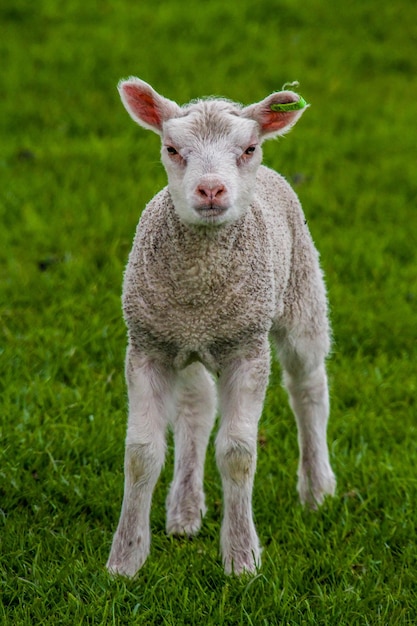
(75, 173)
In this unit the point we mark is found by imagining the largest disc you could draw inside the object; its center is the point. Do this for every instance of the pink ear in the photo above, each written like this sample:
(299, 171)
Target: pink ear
(276, 122)
(145, 105)
(142, 104)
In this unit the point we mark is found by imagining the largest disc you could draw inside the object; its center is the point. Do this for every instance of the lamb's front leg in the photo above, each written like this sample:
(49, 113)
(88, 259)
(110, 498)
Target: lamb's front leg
(241, 392)
(150, 393)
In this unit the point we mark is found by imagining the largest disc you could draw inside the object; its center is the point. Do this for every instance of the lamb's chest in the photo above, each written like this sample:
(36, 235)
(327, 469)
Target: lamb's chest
(191, 293)
(197, 309)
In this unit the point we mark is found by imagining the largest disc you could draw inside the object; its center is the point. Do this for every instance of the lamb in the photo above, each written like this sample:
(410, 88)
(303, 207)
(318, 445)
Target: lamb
(222, 261)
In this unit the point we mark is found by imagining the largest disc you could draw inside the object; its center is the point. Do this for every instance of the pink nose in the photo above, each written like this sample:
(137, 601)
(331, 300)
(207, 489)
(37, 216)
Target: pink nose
(210, 192)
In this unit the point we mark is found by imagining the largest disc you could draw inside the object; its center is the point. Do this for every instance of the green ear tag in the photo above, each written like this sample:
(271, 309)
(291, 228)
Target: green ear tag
(289, 106)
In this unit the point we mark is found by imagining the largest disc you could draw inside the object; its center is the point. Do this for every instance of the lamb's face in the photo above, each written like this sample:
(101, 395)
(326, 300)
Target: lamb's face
(211, 155)
(211, 149)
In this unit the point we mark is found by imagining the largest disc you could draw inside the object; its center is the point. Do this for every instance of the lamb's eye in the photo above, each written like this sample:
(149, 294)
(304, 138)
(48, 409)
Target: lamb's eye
(250, 150)
(171, 151)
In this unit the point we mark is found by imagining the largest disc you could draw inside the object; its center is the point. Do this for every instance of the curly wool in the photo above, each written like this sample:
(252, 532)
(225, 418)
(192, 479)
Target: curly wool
(194, 292)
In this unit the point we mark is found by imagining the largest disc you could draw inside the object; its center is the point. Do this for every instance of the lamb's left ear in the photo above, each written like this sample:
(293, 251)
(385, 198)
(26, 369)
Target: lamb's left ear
(277, 114)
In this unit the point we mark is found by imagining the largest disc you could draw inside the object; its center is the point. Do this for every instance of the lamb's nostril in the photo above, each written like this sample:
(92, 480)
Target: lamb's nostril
(203, 192)
(217, 191)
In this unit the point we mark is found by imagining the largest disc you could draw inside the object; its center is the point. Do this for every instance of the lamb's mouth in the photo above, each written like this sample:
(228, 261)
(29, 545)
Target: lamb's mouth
(210, 210)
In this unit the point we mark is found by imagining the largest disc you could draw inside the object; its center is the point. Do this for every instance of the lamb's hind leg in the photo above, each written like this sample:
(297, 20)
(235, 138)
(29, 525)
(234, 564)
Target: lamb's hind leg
(192, 424)
(303, 359)
(150, 395)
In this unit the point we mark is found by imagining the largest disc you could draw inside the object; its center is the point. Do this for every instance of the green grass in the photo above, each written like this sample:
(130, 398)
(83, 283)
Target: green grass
(74, 175)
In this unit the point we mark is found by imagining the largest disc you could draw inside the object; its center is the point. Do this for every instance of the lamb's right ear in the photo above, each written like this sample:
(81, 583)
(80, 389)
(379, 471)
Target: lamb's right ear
(145, 106)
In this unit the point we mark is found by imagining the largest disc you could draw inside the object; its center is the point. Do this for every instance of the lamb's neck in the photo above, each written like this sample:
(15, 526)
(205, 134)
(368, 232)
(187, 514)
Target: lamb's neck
(204, 238)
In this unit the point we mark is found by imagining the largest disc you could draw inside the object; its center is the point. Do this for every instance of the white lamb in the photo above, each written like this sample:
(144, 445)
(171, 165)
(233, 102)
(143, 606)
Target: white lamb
(222, 260)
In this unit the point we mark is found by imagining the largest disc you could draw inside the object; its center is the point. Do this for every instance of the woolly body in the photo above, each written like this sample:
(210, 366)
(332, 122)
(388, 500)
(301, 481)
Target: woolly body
(197, 293)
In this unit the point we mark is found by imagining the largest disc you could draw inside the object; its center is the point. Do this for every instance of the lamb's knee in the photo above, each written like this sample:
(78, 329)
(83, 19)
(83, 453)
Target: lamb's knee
(236, 462)
(307, 383)
(143, 461)
(301, 353)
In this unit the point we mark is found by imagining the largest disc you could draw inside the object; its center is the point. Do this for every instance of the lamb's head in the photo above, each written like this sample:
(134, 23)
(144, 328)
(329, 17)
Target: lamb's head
(211, 148)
